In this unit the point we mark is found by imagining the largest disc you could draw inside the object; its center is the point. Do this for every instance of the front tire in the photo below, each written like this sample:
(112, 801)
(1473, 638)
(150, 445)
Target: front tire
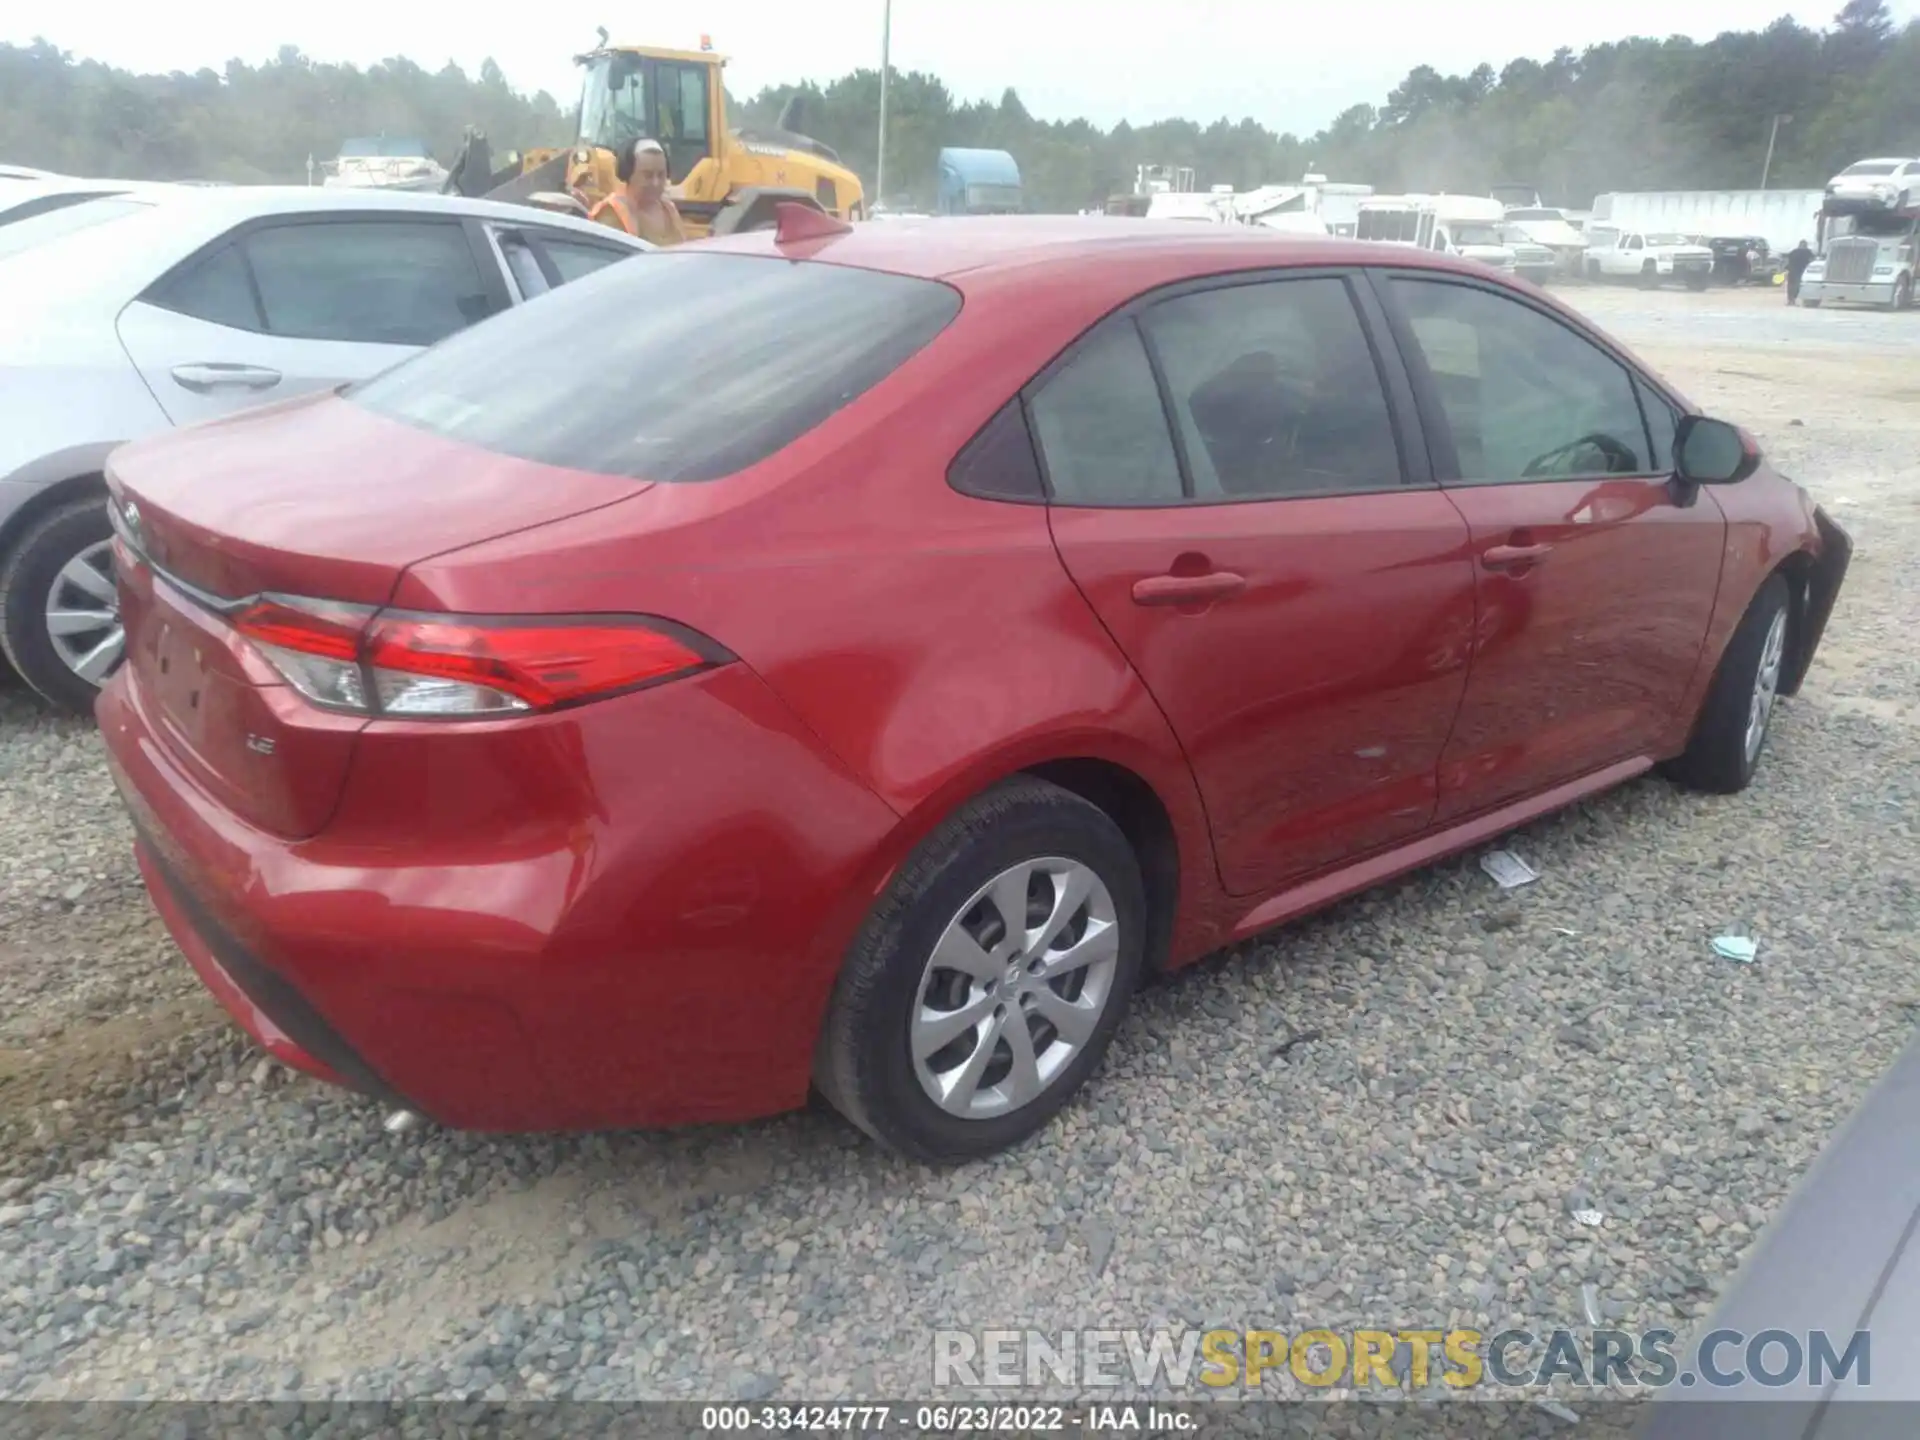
(1903, 293)
(59, 613)
(990, 978)
(1738, 712)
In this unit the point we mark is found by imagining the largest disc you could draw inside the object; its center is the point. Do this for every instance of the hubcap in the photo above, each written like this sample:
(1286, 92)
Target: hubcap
(83, 615)
(1015, 988)
(1766, 684)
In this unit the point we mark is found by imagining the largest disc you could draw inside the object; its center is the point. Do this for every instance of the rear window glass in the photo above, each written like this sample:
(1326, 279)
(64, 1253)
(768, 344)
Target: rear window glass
(670, 367)
(46, 204)
(68, 220)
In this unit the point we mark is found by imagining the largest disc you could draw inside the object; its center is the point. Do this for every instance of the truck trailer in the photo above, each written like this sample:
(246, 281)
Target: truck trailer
(1782, 218)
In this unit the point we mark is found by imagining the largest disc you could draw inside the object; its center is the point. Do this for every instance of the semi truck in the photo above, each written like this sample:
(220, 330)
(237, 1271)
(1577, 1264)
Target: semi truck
(1869, 235)
(978, 182)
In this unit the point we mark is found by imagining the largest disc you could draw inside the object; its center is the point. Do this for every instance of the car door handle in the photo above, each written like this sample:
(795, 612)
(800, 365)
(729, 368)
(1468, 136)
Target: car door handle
(1513, 557)
(217, 375)
(1187, 589)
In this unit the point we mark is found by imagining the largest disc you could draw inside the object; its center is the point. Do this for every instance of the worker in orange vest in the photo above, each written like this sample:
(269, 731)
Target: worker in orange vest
(641, 207)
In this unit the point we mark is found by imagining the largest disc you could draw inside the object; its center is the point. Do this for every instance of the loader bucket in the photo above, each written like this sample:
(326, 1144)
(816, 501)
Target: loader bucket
(550, 176)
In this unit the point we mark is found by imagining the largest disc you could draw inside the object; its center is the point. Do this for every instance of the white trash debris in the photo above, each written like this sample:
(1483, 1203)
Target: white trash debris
(1508, 870)
(1737, 948)
(1588, 1218)
(1557, 1410)
(1590, 1298)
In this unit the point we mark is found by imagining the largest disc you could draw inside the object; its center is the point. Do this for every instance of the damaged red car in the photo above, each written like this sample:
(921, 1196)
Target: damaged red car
(858, 664)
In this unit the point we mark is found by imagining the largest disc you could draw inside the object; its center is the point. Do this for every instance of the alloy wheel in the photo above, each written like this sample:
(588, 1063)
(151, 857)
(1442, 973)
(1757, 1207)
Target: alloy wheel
(83, 615)
(1015, 988)
(1766, 684)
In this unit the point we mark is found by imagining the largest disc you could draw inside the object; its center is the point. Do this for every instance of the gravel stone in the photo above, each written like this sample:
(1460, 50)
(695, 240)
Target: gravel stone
(181, 1219)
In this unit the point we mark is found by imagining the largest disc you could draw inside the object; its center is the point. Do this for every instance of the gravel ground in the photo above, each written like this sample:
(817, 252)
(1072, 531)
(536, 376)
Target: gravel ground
(1380, 1116)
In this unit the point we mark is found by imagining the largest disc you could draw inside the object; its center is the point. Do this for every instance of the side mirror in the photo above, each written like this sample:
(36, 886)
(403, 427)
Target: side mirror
(1712, 452)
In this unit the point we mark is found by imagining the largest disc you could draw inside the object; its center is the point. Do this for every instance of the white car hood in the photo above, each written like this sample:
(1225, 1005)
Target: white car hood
(1680, 252)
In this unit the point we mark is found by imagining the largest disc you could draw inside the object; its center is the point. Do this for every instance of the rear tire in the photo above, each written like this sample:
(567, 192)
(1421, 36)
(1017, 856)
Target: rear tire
(1064, 864)
(1737, 715)
(27, 579)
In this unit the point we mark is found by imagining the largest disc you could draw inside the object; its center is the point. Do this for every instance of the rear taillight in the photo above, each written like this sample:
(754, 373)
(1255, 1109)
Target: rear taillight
(354, 659)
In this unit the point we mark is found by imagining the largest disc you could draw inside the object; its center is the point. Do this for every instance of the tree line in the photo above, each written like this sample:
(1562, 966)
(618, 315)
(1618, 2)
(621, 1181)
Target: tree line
(1635, 114)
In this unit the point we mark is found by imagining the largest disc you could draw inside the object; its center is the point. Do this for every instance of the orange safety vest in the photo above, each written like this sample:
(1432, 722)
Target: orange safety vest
(617, 203)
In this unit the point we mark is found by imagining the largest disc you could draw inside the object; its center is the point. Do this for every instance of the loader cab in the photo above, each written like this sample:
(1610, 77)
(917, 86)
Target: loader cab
(672, 96)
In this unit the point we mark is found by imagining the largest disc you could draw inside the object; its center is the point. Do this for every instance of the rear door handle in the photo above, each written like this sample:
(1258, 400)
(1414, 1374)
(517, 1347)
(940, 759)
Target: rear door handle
(218, 375)
(1188, 589)
(1513, 557)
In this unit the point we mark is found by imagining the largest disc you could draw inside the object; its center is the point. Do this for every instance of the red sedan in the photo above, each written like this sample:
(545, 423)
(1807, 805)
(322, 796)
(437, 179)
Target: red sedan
(848, 659)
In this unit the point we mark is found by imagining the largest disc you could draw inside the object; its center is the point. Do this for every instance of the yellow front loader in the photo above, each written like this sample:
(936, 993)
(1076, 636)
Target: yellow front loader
(722, 180)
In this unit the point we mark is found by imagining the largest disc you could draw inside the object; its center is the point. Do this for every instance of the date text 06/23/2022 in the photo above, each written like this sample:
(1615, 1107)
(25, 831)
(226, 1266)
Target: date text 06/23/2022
(942, 1419)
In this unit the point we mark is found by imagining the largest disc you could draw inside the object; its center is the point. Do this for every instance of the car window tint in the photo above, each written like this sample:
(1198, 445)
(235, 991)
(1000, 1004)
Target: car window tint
(728, 359)
(1101, 427)
(214, 288)
(999, 463)
(574, 258)
(525, 266)
(1274, 390)
(378, 282)
(1524, 396)
(1661, 424)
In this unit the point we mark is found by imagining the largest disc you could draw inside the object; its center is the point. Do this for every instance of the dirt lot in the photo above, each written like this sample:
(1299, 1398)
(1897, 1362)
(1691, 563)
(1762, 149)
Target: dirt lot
(1381, 1116)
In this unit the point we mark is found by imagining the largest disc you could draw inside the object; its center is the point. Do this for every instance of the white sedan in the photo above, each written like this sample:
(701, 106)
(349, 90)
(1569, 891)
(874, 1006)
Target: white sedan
(170, 305)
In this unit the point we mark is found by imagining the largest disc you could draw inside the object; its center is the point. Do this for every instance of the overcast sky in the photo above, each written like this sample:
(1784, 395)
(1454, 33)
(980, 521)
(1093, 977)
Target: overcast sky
(1292, 66)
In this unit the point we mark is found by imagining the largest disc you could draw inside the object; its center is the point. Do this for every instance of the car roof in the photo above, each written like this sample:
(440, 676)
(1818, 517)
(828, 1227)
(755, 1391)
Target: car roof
(947, 247)
(103, 267)
(243, 202)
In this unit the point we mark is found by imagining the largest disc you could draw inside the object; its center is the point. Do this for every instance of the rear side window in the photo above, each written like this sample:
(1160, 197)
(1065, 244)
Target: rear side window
(1102, 428)
(376, 282)
(366, 282)
(574, 259)
(217, 289)
(683, 367)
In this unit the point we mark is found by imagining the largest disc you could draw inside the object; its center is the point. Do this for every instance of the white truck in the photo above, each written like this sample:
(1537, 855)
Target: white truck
(1869, 237)
(1653, 258)
(1465, 225)
(1544, 225)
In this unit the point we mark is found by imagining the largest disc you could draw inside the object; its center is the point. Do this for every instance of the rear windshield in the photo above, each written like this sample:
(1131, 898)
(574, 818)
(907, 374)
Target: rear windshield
(68, 220)
(44, 204)
(675, 366)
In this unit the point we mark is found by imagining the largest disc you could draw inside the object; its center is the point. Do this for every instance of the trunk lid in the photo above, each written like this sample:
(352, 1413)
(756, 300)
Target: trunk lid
(314, 498)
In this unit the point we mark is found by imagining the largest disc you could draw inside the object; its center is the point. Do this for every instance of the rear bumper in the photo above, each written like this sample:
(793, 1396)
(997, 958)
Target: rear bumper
(631, 914)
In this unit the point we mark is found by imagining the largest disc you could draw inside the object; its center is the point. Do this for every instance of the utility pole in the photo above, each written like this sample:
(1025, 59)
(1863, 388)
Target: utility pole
(1772, 136)
(886, 48)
